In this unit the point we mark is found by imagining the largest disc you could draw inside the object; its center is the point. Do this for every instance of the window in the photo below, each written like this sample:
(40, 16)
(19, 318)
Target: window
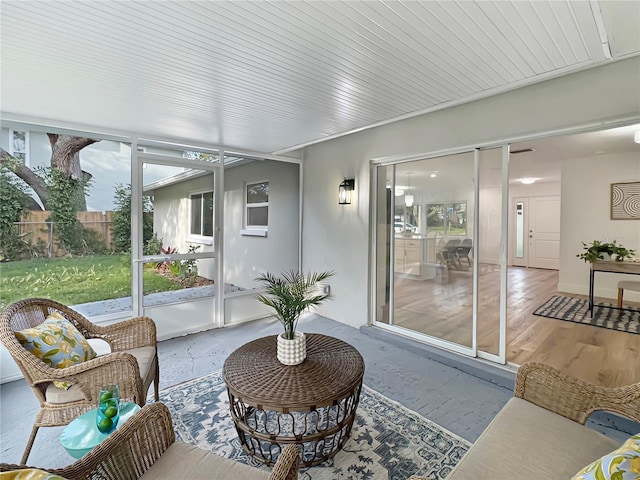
(19, 145)
(201, 215)
(257, 206)
(447, 218)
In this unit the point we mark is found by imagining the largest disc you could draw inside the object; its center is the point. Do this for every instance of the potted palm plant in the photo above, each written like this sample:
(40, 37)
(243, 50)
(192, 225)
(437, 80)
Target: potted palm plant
(290, 295)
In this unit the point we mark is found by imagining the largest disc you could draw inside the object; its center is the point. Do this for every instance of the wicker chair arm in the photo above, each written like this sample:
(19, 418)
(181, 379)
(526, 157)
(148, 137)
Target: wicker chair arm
(129, 451)
(286, 468)
(571, 397)
(136, 332)
(119, 368)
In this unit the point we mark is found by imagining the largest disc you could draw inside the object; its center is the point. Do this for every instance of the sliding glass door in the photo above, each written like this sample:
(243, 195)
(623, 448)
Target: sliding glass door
(440, 272)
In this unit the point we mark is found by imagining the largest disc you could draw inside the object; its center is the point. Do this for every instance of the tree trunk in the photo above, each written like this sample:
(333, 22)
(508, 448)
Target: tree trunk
(27, 175)
(65, 153)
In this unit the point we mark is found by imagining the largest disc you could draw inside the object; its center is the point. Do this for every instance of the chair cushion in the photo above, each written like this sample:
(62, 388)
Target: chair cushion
(57, 342)
(144, 356)
(525, 441)
(621, 464)
(186, 461)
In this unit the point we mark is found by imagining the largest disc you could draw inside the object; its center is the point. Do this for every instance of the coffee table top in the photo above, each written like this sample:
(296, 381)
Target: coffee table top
(331, 371)
(81, 435)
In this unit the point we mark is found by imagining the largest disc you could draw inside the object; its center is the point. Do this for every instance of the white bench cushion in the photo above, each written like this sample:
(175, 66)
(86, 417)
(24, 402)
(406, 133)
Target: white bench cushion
(144, 356)
(189, 462)
(525, 442)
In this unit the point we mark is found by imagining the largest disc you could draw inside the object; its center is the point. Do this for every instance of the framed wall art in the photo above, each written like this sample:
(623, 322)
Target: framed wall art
(625, 201)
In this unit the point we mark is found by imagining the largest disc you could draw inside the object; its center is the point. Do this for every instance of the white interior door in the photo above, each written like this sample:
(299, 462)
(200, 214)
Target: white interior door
(544, 232)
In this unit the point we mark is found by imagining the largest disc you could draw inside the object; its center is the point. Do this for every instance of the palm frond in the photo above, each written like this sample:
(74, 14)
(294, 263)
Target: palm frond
(290, 294)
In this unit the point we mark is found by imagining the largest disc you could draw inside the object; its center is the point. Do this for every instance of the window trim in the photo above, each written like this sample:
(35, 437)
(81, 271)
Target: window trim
(195, 237)
(27, 159)
(247, 226)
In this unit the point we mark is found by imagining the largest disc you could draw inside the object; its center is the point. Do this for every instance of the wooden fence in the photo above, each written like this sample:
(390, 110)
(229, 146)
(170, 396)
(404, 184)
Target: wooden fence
(37, 230)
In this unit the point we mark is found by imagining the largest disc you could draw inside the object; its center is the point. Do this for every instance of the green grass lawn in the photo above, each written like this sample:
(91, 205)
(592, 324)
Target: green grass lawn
(74, 280)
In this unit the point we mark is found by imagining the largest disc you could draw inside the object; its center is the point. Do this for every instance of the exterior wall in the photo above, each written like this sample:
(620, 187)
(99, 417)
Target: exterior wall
(171, 220)
(245, 256)
(337, 237)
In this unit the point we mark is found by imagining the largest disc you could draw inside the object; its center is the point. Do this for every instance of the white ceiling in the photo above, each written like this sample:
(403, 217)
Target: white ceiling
(270, 76)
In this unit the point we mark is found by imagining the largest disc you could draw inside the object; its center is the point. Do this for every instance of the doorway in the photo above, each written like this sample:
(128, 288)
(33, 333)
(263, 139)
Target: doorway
(536, 232)
(442, 228)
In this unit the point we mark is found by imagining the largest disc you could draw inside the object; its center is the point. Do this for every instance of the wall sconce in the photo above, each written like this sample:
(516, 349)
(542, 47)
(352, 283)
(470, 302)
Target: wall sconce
(344, 191)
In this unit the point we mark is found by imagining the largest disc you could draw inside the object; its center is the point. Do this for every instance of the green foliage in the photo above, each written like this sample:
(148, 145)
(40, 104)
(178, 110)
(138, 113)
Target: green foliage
(189, 268)
(153, 246)
(291, 294)
(596, 249)
(121, 220)
(74, 280)
(14, 203)
(175, 268)
(66, 196)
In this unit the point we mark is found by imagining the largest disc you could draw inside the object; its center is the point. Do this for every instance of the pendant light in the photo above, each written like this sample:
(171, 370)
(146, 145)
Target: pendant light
(408, 198)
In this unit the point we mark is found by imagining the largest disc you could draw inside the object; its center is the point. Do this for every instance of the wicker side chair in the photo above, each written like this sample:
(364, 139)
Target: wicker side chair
(132, 363)
(148, 436)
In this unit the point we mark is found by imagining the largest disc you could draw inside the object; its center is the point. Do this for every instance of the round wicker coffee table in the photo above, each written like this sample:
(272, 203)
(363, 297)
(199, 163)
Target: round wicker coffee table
(312, 404)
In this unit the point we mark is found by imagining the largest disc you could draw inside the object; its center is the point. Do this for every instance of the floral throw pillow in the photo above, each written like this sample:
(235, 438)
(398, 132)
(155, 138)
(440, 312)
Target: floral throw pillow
(57, 343)
(621, 464)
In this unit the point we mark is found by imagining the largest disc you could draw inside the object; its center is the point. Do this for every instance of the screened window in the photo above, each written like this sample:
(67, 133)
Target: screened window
(201, 214)
(19, 145)
(257, 205)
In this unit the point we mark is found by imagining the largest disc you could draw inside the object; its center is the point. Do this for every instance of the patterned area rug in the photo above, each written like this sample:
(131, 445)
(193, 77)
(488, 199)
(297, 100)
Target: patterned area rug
(388, 441)
(577, 310)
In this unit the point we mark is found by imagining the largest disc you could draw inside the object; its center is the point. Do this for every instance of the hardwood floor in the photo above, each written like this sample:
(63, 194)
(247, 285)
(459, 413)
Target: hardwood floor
(599, 355)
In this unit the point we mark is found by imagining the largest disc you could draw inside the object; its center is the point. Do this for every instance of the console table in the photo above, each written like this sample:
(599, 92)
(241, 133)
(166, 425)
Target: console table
(312, 404)
(627, 268)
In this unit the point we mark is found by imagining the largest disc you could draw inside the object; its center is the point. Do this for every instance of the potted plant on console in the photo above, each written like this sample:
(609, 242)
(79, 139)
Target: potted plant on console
(598, 250)
(290, 295)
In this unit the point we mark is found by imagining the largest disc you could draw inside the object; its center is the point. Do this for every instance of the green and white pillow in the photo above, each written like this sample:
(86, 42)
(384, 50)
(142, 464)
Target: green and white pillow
(57, 343)
(621, 464)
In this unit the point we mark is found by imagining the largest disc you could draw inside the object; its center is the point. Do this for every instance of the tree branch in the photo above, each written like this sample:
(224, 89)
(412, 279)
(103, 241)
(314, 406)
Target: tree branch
(35, 181)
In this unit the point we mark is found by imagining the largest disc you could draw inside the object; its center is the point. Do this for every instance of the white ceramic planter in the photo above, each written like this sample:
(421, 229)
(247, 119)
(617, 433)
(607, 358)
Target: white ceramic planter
(292, 352)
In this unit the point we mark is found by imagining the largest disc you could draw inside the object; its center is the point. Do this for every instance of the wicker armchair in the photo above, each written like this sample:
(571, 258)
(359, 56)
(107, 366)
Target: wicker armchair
(141, 441)
(132, 342)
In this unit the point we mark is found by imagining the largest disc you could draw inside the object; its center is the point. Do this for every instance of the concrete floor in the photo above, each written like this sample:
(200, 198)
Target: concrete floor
(459, 402)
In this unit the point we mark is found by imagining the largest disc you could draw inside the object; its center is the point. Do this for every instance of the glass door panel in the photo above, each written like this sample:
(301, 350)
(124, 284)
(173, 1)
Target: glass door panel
(176, 252)
(490, 199)
(433, 205)
(385, 191)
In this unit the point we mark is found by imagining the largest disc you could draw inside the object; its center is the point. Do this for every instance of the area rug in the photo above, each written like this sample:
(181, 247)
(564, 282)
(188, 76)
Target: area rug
(577, 310)
(388, 441)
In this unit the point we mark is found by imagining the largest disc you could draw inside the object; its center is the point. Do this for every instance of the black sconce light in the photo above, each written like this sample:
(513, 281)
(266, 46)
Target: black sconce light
(344, 191)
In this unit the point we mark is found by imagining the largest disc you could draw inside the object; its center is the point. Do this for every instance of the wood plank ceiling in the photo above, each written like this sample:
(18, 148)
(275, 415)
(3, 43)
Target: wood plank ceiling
(269, 76)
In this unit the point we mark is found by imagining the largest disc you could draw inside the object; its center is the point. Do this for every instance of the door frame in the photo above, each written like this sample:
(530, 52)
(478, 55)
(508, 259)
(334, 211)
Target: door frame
(138, 259)
(472, 351)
